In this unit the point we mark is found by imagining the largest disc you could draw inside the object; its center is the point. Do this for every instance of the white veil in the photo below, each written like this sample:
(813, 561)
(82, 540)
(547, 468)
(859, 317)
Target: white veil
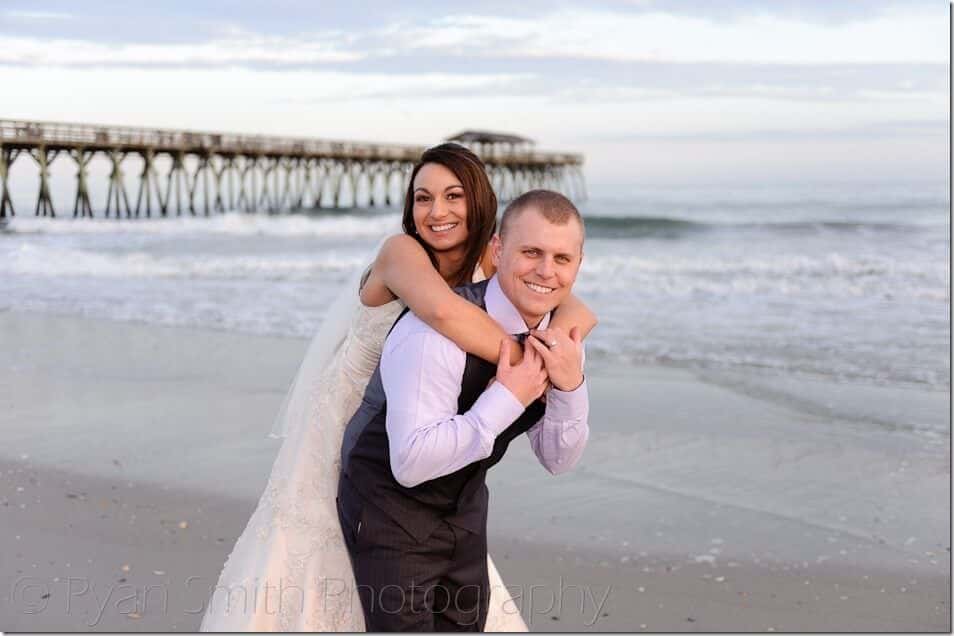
(330, 335)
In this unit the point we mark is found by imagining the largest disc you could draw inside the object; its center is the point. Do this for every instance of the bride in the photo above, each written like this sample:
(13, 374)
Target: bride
(290, 569)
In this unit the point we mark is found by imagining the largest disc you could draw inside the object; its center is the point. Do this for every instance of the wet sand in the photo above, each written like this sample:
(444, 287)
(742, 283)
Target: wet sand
(133, 455)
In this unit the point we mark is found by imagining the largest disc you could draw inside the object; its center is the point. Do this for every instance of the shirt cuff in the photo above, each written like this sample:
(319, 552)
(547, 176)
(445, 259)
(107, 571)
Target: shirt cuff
(497, 408)
(568, 405)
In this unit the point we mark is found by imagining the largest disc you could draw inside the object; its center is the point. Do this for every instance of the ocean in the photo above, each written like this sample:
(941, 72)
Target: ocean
(841, 281)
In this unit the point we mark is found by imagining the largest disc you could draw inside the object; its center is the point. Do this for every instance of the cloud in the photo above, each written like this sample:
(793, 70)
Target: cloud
(664, 37)
(567, 33)
(22, 14)
(826, 12)
(244, 50)
(875, 131)
(558, 56)
(350, 89)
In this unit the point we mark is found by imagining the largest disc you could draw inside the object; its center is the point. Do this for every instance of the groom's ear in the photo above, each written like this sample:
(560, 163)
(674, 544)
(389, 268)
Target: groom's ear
(495, 247)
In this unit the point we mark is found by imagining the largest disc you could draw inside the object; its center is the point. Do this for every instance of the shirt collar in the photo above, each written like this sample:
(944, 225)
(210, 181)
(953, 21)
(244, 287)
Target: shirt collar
(502, 310)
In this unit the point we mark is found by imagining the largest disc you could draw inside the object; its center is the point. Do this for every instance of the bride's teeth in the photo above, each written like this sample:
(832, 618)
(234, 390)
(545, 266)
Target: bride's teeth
(442, 228)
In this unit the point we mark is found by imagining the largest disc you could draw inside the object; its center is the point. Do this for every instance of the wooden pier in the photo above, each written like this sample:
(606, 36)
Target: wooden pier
(200, 173)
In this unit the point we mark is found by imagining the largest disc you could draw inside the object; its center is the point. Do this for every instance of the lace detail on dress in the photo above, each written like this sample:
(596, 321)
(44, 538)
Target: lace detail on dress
(290, 569)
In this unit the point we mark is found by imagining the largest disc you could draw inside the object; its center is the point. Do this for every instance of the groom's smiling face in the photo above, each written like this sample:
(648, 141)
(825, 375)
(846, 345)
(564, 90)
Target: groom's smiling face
(537, 262)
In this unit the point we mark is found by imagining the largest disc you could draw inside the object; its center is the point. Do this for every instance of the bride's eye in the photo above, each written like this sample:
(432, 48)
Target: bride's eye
(422, 198)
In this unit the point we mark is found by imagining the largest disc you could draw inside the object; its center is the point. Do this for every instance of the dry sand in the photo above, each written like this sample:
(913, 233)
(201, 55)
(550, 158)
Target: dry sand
(133, 455)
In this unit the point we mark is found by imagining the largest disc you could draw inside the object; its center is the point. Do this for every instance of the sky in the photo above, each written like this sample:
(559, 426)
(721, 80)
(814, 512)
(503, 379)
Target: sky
(649, 91)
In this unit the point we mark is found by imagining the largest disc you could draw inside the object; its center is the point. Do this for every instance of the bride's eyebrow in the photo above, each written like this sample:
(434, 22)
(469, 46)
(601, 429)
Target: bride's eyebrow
(426, 191)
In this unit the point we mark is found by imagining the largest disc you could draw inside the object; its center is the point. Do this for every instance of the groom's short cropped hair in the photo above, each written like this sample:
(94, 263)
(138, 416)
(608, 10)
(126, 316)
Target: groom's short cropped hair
(554, 207)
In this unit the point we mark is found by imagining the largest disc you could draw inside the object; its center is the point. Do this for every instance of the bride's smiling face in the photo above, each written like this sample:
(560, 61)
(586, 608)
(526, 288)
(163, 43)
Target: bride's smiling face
(440, 208)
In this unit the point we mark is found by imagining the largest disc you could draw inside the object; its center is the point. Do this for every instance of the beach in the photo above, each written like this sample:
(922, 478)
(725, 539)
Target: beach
(707, 499)
(192, 194)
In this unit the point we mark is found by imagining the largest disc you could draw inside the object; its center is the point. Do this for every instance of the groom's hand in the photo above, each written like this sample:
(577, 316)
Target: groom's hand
(527, 380)
(562, 355)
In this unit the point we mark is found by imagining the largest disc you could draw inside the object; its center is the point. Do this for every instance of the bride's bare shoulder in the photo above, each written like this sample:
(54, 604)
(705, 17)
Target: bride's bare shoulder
(374, 291)
(399, 245)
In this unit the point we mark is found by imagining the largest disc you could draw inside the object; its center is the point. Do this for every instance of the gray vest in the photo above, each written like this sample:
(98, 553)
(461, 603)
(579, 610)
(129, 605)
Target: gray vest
(459, 498)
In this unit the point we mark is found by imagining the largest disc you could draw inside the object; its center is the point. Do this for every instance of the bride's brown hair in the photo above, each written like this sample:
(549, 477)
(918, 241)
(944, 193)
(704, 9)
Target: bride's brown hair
(481, 204)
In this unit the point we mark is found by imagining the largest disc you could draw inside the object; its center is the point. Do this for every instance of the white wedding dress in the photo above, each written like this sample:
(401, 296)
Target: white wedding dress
(289, 570)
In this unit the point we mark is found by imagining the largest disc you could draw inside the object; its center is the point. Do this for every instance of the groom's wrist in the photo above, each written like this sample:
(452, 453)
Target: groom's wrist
(573, 383)
(568, 405)
(497, 407)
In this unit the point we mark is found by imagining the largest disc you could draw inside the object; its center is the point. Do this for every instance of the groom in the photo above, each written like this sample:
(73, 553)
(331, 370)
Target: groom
(412, 499)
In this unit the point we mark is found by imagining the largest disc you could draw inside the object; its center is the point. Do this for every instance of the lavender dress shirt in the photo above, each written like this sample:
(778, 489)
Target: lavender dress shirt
(422, 372)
